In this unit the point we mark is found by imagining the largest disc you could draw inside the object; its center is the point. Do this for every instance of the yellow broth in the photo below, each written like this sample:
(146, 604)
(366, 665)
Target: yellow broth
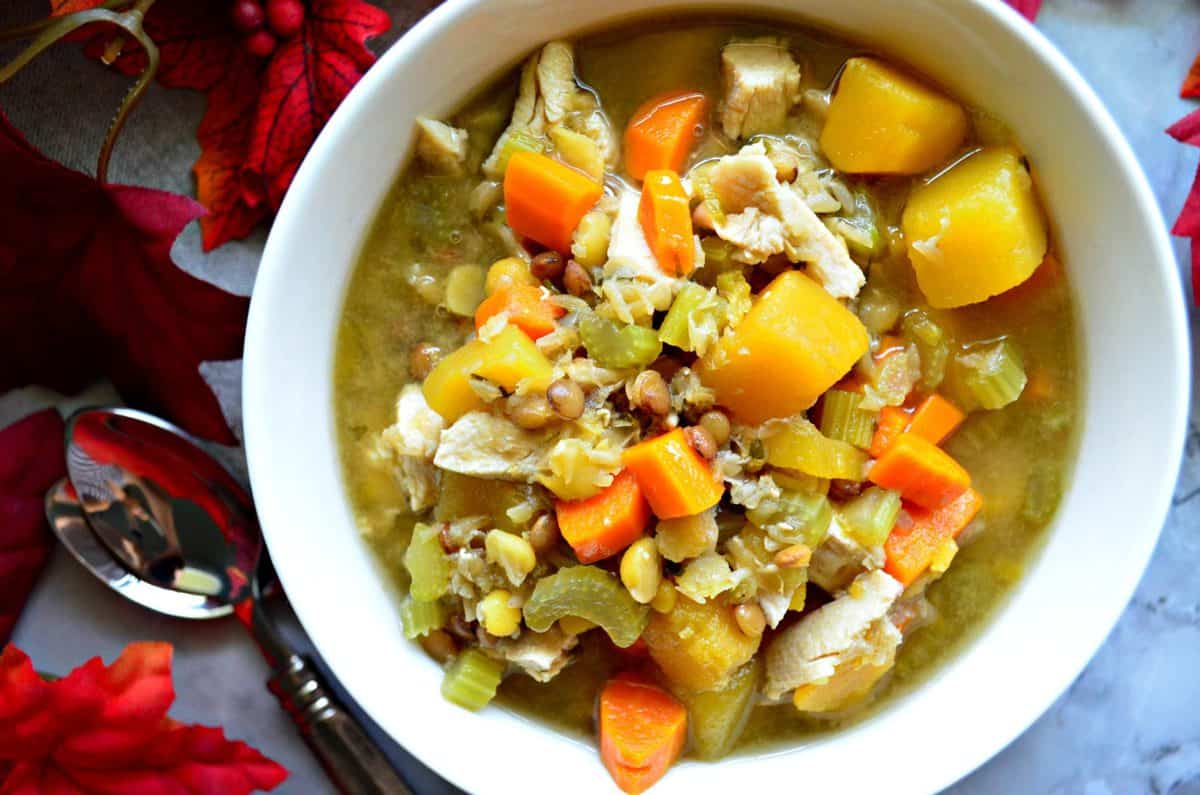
(1019, 456)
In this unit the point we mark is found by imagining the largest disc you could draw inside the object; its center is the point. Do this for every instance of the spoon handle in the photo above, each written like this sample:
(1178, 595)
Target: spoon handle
(351, 759)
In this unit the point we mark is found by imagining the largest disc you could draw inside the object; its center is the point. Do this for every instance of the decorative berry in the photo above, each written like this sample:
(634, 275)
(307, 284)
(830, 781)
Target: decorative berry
(247, 16)
(261, 43)
(286, 17)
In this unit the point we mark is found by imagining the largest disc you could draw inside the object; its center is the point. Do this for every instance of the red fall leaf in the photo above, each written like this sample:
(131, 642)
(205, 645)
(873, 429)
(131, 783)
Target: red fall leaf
(88, 289)
(262, 114)
(1187, 131)
(31, 460)
(1027, 8)
(104, 730)
(1191, 82)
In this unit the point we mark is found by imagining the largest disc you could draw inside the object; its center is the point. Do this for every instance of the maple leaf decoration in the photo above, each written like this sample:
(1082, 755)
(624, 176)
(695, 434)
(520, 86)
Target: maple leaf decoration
(32, 462)
(262, 114)
(1027, 8)
(88, 289)
(1187, 131)
(104, 730)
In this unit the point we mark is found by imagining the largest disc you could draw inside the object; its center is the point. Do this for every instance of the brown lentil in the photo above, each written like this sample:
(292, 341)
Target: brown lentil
(566, 398)
(650, 394)
(439, 645)
(750, 619)
(717, 425)
(576, 280)
(528, 411)
(547, 266)
(543, 535)
(701, 441)
(422, 359)
(844, 489)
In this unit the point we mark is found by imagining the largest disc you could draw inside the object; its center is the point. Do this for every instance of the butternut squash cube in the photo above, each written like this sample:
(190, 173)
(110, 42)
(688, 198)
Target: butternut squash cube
(976, 230)
(698, 646)
(796, 342)
(882, 121)
(447, 388)
(510, 357)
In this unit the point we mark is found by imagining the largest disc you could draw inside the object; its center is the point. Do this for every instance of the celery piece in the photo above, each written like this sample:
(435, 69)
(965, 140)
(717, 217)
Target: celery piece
(870, 517)
(519, 141)
(716, 717)
(994, 374)
(418, 618)
(616, 346)
(472, 679)
(694, 320)
(733, 287)
(796, 443)
(462, 495)
(842, 419)
(795, 518)
(427, 564)
(708, 195)
(591, 593)
(932, 346)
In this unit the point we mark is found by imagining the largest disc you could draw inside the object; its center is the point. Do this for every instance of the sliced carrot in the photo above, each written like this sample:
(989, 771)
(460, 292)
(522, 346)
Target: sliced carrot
(935, 419)
(892, 422)
(921, 471)
(604, 524)
(666, 219)
(642, 731)
(527, 309)
(675, 479)
(919, 532)
(544, 199)
(663, 131)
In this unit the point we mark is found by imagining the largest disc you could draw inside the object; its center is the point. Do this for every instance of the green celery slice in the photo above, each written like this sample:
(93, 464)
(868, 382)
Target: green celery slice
(472, 679)
(994, 374)
(427, 564)
(418, 618)
(870, 517)
(591, 593)
(616, 346)
(797, 444)
(694, 320)
(841, 418)
(932, 346)
(796, 518)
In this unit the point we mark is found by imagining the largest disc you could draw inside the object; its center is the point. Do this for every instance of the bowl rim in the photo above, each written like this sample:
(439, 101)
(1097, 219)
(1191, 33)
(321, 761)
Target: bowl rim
(257, 392)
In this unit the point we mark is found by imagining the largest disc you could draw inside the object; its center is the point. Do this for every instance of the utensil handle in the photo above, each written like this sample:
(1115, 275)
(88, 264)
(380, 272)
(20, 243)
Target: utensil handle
(351, 759)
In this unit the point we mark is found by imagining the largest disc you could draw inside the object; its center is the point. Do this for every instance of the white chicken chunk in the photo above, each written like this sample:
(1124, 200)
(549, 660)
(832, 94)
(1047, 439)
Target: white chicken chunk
(627, 246)
(542, 655)
(763, 216)
(851, 632)
(408, 446)
(762, 83)
(549, 97)
(486, 446)
(839, 559)
(441, 147)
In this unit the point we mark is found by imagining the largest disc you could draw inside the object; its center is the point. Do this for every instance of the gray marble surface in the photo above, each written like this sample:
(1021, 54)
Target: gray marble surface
(1129, 724)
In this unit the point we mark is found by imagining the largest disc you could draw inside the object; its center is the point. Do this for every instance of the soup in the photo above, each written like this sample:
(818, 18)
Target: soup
(704, 385)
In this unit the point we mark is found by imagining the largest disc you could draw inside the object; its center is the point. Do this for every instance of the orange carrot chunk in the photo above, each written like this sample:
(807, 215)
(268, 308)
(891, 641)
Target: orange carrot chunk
(544, 199)
(921, 471)
(935, 419)
(666, 220)
(527, 309)
(663, 131)
(642, 731)
(918, 533)
(604, 524)
(892, 422)
(675, 479)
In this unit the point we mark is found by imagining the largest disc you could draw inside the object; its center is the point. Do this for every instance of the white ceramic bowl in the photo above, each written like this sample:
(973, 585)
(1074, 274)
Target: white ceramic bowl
(1134, 358)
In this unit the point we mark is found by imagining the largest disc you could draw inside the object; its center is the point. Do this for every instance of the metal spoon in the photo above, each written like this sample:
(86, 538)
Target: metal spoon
(187, 532)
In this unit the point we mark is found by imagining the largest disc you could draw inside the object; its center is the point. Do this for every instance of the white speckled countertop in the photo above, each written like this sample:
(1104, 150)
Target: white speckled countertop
(1129, 724)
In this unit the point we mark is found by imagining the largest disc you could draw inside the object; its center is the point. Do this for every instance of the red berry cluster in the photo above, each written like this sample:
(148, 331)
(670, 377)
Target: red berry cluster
(262, 28)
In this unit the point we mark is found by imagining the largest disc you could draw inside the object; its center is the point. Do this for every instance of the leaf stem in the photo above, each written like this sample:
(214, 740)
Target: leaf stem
(34, 28)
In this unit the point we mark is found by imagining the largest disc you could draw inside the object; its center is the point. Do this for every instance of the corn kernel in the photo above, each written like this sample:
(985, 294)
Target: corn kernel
(641, 570)
(512, 553)
(943, 555)
(508, 272)
(664, 600)
(498, 617)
